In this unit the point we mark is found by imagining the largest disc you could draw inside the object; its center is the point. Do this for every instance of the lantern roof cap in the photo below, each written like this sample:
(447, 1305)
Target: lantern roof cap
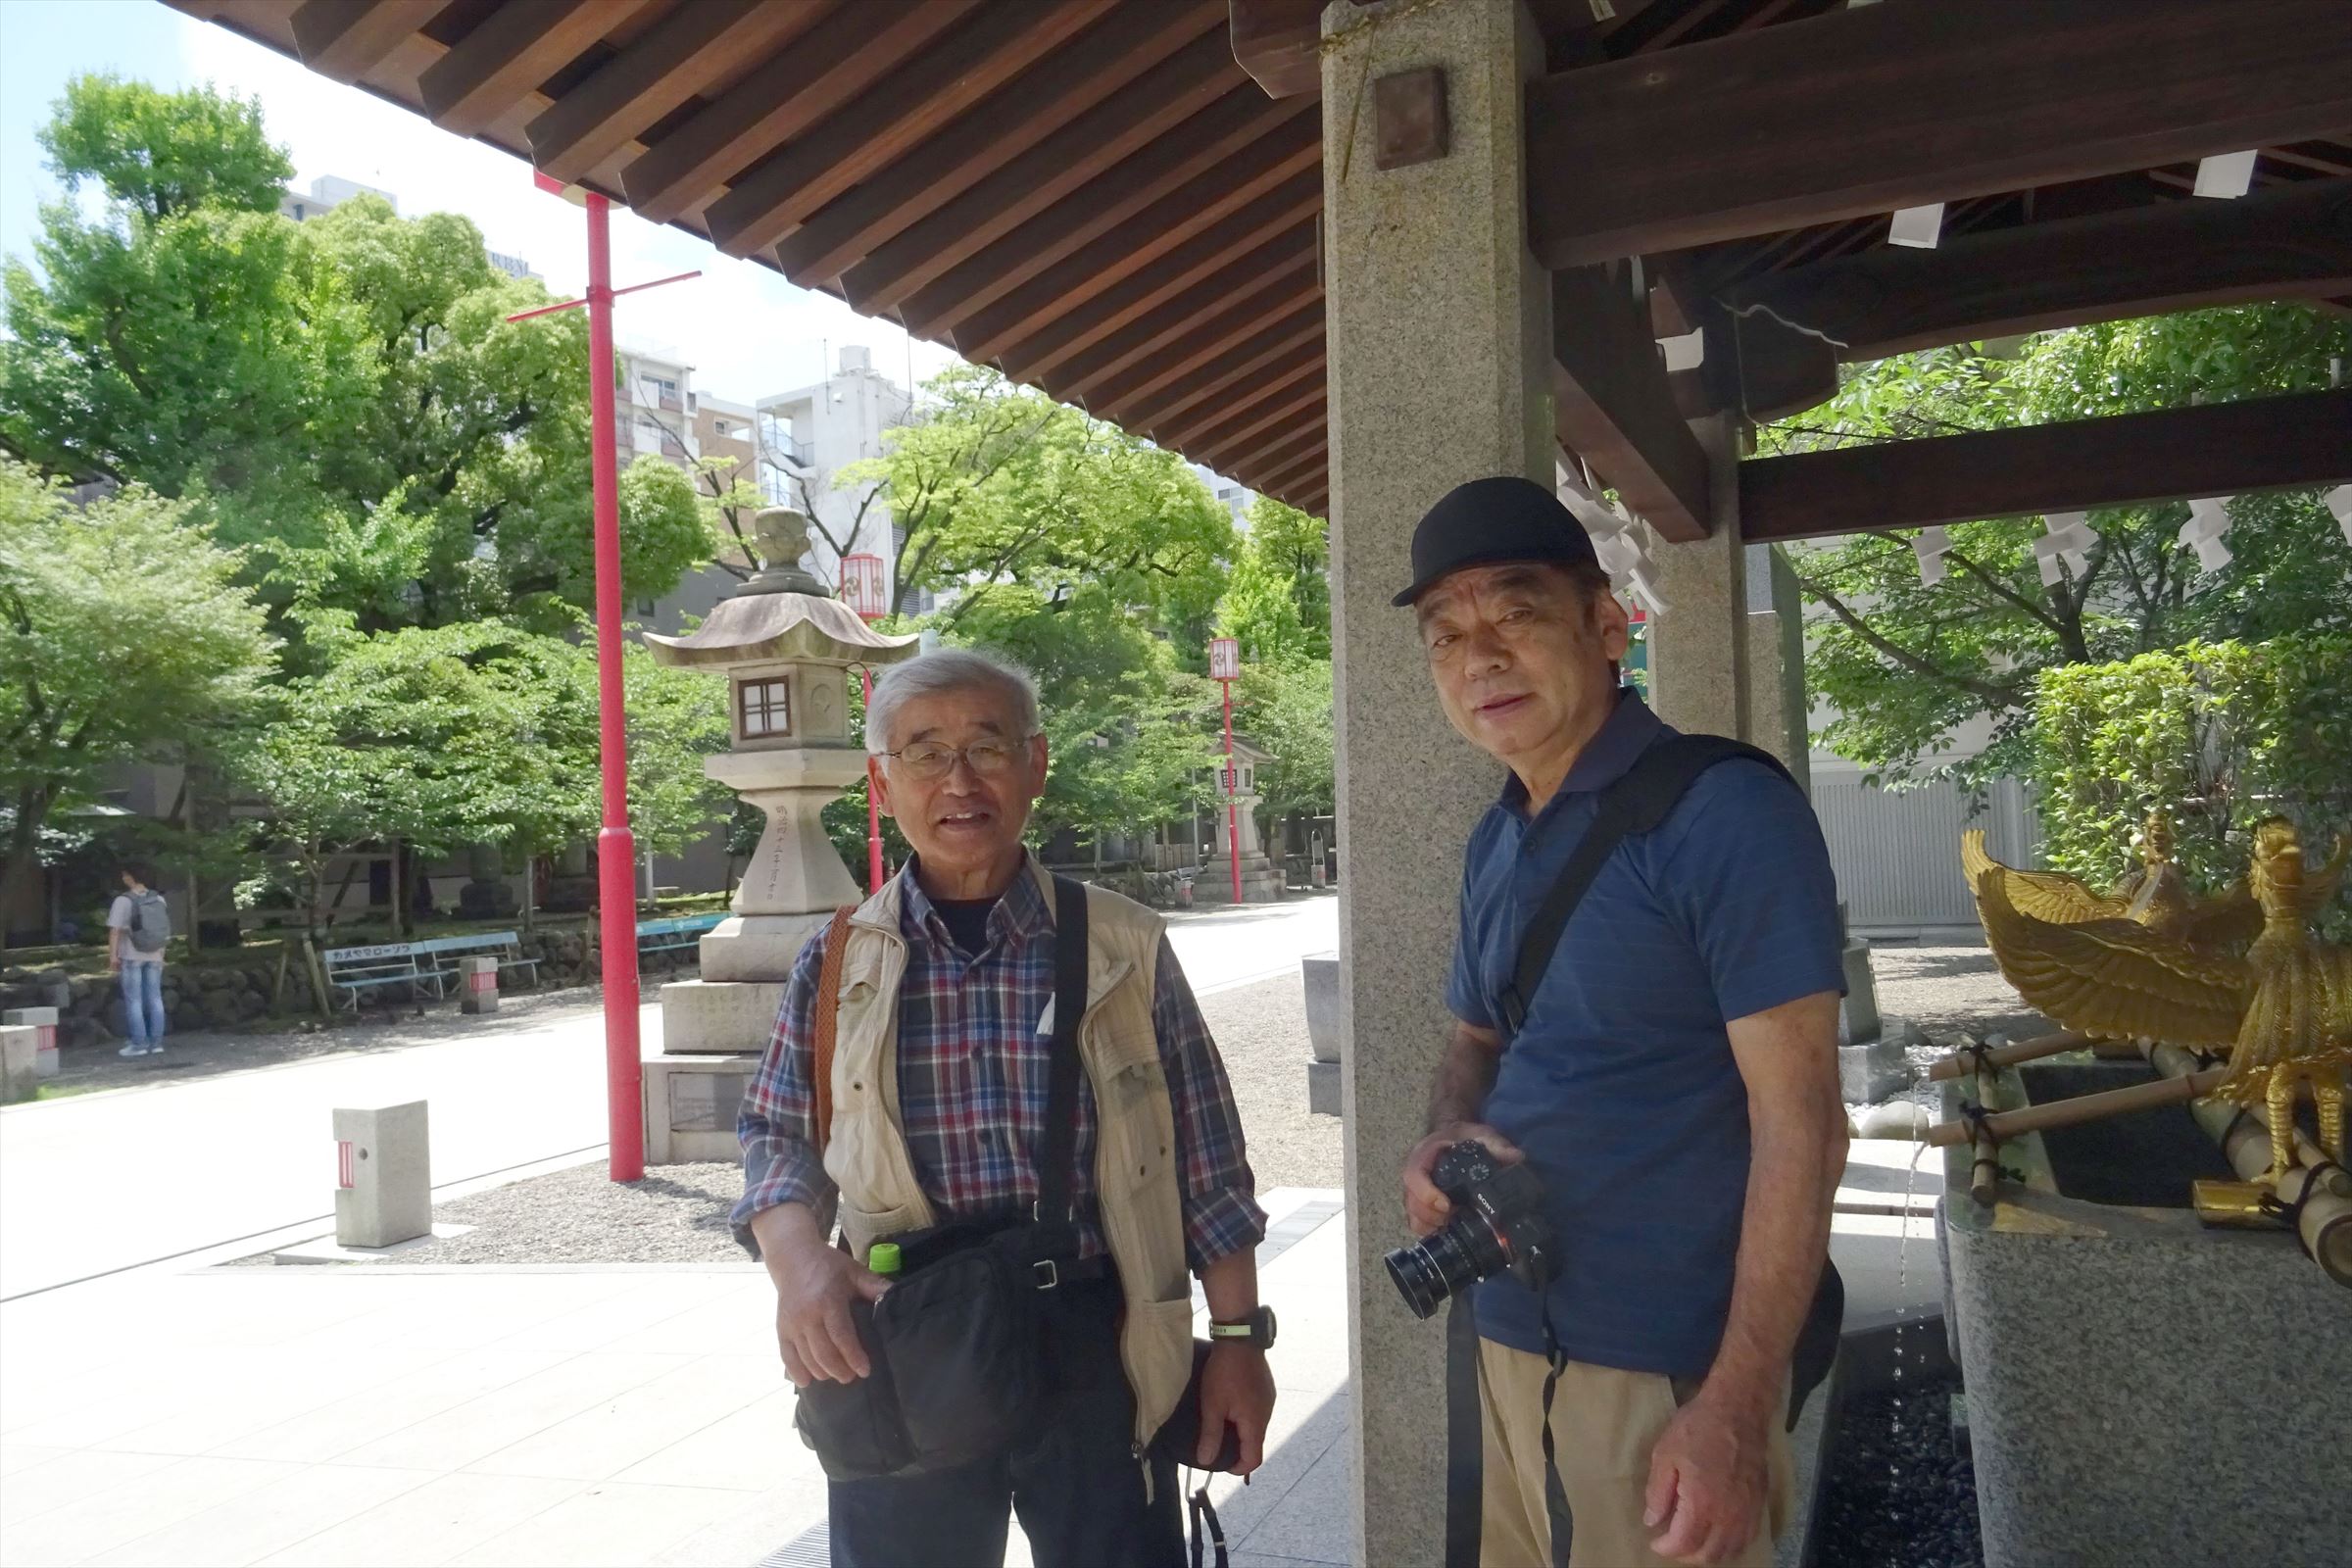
(802, 628)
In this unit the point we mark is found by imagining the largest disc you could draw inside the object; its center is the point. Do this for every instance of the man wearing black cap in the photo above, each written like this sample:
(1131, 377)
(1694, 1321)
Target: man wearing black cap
(1669, 1072)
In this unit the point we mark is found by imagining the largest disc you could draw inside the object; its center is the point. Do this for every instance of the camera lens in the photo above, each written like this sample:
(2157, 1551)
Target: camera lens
(1431, 1270)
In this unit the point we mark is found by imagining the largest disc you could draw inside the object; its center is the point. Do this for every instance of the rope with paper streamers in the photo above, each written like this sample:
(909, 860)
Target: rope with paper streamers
(2208, 520)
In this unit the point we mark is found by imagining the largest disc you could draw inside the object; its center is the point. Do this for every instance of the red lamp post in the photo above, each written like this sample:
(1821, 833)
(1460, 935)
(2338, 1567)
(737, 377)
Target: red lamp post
(862, 591)
(615, 845)
(1225, 668)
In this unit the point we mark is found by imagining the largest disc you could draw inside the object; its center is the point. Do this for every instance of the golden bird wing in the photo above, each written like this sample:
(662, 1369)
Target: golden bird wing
(2229, 918)
(2051, 895)
(2114, 977)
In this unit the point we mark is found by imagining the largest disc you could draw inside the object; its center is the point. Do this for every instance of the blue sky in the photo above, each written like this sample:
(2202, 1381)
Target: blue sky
(746, 330)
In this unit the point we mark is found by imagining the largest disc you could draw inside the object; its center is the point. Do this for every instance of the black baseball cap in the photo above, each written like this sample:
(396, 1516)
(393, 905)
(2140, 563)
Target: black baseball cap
(1488, 521)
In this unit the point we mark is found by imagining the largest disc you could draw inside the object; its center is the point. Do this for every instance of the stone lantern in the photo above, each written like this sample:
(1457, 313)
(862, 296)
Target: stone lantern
(1261, 879)
(784, 647)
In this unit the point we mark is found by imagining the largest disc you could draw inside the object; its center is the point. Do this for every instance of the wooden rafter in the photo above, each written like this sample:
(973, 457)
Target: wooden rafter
(1739, 135)
(2218, 449)
(346, 38)
(2293, 242)
(1205, 320)
(510, 52)
(1614, 407)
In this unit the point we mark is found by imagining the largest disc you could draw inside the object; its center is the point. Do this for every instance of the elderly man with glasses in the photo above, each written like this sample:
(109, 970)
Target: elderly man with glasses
(943, 1003)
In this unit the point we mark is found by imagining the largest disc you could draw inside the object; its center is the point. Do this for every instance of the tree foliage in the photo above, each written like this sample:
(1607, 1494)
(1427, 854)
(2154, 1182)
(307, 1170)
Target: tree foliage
(1277, 603)
(1907, 667)
(2219, 734)
(124, 637)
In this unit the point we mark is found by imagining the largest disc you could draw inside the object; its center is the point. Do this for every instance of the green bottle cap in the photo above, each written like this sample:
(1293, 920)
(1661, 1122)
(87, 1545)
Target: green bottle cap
(883, 1257)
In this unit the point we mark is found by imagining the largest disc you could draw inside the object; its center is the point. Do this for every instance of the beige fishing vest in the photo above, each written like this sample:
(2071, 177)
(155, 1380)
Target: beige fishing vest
(1135, 1144)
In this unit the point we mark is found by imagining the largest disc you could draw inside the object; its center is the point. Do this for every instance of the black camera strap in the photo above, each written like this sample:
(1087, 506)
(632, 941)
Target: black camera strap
(1637, 802)
(1057, 1154)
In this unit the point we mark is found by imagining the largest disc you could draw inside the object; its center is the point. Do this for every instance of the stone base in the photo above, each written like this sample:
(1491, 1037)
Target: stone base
(390, 1199)
(1858, 1014)
(713, 1017)
(758, 948)
(1321, 973)
(690, 1105)
(1261, 882)
(1323, 1088)
(2067, 1314)
(1871, 1072)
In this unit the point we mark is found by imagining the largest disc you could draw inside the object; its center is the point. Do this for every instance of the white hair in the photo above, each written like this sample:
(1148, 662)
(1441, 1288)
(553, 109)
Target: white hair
(943, 670)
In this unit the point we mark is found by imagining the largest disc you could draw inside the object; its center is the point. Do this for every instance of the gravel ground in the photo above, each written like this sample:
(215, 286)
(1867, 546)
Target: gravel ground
(1899, 1492)
(678, 1212)
(1949, 991)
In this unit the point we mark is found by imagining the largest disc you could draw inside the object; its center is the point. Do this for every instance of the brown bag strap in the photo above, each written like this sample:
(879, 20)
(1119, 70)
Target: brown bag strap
(827, 1021)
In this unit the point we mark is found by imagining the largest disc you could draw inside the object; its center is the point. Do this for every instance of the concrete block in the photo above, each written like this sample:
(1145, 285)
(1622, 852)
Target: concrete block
(690, 1105)
(44, 1021)
(384, 1183)
(477, 982)
(720, 1018)
(1323, 1025)
(1858, 1014)
(20, 1062)
(758, 948)
(1870, 1072)
(1323, 1088)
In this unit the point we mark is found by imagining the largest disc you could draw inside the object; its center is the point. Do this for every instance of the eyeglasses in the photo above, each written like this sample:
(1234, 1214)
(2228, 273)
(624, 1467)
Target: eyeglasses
(927, 760)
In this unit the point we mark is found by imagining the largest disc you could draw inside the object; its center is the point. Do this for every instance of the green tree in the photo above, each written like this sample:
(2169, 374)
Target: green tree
(124, 636)
(1907, 666)
(1286, 710)
(676, 719)
(1277, 602)
(161, 153)
(992, 486)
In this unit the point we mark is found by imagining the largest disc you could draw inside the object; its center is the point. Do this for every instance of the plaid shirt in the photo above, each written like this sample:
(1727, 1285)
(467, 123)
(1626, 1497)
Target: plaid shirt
(972, 1082)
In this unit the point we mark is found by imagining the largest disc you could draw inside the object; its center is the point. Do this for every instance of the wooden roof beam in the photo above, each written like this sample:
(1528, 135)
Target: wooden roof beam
(1073, 81)
(1934, 100)
(1278, 42)
(683, 52)
(2216, 449)
(1269, 382)
(514, 49)
(1066, 330)
(828, 66)
(1615, 408)
(1295, 471)
(1298, 440)
(1154, 103)
(1244, 143)
(1246, 435)
(1299, 328)
(1203, 320)
(345, 39)
(2292, 242)
(953, 74)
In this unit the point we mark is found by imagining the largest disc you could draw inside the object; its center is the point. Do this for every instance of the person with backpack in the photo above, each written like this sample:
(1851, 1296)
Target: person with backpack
(138, 925)
(1644, 991)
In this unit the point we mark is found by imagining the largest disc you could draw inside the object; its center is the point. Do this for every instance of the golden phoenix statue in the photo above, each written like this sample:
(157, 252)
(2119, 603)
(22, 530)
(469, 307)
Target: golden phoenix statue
(2154, 894)
(2282, 1010)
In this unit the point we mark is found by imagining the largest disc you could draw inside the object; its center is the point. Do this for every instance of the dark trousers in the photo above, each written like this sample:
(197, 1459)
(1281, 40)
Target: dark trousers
(1078, 1489)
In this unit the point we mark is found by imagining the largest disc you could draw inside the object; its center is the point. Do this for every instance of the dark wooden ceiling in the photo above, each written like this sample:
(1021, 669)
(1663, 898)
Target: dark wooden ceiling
(1090, 194)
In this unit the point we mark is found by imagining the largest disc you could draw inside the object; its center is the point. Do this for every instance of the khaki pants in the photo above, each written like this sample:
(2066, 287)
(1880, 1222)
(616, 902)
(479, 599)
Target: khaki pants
(1605, 1422)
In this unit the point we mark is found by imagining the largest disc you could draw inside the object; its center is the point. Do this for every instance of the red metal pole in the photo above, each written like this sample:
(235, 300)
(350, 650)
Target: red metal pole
(1233, 807)
(873, 808)
(615, 846)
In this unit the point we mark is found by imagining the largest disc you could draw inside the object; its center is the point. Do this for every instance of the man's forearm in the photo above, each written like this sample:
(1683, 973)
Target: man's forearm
(783, 1230)
(1466, 1076)
(1794, 1164)
(1231, 1286)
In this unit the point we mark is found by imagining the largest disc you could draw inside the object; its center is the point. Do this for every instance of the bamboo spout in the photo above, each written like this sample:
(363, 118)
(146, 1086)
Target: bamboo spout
(2316, 1190)
(2008, 1124)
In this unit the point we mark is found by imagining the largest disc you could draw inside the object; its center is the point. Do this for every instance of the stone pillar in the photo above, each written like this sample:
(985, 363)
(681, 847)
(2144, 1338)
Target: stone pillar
(385, 1184)
(19, 1068)
(1777, 707)
(1699, 666)
(1439, 336)
(478, 980)
(43, 1023)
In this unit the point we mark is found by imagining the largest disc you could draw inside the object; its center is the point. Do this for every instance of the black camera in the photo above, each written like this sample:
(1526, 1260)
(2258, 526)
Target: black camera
(1498, 1223)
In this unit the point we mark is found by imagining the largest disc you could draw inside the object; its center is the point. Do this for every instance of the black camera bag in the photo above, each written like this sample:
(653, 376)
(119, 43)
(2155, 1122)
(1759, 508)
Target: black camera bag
(957, 1343)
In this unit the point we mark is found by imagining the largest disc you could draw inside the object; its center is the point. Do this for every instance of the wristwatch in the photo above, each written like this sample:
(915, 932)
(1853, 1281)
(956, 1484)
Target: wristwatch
(1255, 1330)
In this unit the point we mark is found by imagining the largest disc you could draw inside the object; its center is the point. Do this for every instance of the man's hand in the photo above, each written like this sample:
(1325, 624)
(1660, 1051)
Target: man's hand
(1707, 1480)
(1425, 1207)
(1236, 1390)
(814, 1285)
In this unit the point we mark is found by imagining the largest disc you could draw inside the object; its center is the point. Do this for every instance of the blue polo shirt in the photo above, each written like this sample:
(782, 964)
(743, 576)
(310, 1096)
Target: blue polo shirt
(1621, 1089)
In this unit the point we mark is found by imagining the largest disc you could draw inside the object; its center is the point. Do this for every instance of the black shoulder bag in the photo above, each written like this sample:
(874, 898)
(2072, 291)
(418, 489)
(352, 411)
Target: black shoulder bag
(1638, 803)
(957, 1343)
